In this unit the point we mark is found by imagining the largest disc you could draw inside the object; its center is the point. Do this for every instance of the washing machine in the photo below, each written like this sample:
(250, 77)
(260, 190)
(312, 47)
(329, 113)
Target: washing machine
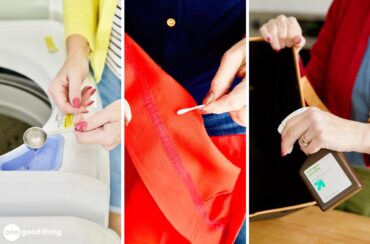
(63, 184)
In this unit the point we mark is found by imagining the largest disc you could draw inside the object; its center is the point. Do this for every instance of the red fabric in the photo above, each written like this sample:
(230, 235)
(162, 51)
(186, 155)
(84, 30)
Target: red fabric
(367, 160)
(179, 187)
(337, 55)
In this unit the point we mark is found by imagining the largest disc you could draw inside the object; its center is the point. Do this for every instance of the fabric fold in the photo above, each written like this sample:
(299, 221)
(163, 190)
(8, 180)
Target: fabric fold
(187, 179)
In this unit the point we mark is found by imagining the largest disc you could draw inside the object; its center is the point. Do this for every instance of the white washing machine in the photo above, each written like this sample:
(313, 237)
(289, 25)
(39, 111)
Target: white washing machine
(63, 178)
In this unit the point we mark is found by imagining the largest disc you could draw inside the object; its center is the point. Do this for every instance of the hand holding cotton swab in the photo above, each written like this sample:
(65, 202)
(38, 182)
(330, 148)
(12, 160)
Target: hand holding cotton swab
(185, 110)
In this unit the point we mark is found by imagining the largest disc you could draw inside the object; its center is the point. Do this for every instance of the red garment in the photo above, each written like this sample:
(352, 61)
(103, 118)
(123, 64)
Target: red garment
(337, 55)
(180, 187)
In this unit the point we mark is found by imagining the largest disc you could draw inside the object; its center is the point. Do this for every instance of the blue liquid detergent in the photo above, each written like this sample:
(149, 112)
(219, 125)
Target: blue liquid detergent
(47, 158)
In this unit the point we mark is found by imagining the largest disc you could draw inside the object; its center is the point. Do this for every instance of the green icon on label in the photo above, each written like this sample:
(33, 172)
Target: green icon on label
(319, 184)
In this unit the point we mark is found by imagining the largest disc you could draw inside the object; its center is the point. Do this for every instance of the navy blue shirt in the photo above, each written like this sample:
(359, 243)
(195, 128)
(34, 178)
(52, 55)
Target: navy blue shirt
(192, 49)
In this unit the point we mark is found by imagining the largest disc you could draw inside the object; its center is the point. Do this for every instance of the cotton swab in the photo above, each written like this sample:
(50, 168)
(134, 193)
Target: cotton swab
(185, 110)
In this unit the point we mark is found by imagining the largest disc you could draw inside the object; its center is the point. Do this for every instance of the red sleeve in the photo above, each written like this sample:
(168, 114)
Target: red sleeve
(317, 68)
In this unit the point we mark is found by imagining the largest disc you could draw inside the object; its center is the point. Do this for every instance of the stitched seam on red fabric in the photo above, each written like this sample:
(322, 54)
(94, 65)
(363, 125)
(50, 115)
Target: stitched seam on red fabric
(170, 149)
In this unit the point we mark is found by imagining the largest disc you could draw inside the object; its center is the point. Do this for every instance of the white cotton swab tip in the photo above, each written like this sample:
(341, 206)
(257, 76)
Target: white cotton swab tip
(185, 110)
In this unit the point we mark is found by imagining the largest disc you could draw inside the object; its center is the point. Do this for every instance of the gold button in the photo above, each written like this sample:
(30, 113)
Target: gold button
(171, 22)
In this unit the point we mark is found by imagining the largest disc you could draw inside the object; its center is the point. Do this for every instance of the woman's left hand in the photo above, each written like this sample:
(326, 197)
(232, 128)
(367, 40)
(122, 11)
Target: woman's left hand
(315, 129)
(219, 99)
(102, 127)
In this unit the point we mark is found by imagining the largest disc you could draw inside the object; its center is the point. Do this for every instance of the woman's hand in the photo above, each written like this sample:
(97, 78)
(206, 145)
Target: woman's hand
(283, 32)
(315, 129)
(102, 127)
(127, 112)
(219, 99)
(65, 88)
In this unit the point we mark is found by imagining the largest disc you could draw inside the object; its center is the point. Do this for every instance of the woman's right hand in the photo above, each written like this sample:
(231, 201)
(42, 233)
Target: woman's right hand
(283, 32)
(65, 88)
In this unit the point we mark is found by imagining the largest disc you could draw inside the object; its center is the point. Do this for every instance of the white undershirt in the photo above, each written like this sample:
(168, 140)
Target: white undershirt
(113, 59)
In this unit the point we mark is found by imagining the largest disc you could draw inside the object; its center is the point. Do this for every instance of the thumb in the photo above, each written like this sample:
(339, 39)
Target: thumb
(75, 82)
(96, 120)
(299, 41)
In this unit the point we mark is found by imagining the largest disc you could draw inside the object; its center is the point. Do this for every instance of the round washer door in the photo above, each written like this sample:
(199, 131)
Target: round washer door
(22, 104)
(22, 99)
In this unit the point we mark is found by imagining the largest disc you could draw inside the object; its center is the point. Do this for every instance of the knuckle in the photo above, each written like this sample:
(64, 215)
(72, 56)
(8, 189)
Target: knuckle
(229, 54)
(312, 109)
(219, 85)
(270, 22)
(281, 17)
(313, 114)
(272, 27)
(292, 19)
(289, 133)
(288, 124)
(262, 28)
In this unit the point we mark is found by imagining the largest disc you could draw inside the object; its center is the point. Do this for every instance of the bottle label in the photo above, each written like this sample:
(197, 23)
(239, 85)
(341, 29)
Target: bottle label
(327, 178)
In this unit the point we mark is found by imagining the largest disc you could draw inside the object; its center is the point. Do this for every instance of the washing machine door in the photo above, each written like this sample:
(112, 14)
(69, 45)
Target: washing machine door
(22, 104)
(23, 99)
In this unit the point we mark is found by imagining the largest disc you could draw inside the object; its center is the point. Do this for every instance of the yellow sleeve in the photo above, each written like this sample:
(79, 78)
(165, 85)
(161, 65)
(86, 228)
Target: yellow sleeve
(81, 17)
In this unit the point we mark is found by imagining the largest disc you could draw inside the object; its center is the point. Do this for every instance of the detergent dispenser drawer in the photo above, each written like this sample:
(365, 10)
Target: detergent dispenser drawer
(47, 158)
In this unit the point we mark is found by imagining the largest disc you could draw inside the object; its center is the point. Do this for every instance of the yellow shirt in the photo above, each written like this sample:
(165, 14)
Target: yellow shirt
(93, 20)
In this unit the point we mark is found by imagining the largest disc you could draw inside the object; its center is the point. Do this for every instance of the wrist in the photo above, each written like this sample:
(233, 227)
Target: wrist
(366, 138)
(77, 47)
(361, 134)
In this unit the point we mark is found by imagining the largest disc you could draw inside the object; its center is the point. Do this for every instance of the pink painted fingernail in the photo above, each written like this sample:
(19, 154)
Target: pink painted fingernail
(92, 92)
(298, 40)
(86, 89)
(268, 39)
(76, 103)
(282, 153)
(89, 104)
(81, 126)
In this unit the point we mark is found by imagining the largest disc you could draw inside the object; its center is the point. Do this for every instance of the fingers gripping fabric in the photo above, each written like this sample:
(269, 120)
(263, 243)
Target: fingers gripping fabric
(188, 181)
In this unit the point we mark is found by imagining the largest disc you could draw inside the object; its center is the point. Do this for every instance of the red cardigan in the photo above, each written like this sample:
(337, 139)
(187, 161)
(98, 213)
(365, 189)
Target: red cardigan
(338, 53)
(180, 185)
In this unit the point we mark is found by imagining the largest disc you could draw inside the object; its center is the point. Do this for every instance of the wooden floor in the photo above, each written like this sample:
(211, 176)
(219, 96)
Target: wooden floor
(312, 226)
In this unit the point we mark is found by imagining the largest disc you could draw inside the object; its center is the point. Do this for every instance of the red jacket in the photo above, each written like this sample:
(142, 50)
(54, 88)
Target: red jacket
(180, 185)
(338, 53)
